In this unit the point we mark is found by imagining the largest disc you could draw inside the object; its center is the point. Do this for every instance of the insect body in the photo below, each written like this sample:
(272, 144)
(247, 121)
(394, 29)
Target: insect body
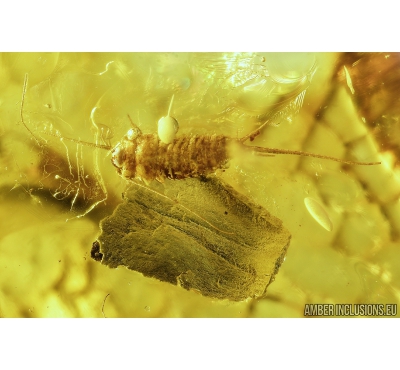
(151, 157)
(146, 157)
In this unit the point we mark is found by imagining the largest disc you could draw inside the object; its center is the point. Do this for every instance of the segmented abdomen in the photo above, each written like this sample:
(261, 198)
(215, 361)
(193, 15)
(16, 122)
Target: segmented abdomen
(186, 156)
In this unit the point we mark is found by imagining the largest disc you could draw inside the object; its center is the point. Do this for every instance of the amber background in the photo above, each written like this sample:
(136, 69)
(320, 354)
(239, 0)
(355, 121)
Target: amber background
(45, 264)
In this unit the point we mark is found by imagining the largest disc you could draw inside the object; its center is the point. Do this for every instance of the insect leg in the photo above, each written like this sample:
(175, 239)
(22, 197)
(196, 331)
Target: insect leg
(254, 133)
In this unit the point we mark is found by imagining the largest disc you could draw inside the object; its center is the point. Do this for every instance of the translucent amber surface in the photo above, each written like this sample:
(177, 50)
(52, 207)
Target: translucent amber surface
(55, 191)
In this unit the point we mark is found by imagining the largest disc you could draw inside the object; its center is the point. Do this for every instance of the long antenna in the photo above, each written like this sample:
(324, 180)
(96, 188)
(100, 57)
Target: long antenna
(22, 109)
(106, 147)
(306, 154)
(101, 146)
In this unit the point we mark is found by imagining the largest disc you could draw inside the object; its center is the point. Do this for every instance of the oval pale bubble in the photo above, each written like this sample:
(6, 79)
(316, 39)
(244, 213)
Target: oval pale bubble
(167, 129)
(317, 211)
